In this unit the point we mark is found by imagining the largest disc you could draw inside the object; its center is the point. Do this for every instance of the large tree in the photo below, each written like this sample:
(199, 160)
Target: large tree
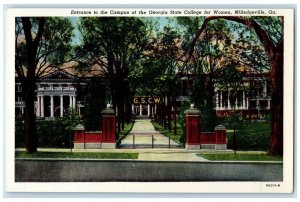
(114, 45)
(41, 44)
(207, 55)
(269, 31)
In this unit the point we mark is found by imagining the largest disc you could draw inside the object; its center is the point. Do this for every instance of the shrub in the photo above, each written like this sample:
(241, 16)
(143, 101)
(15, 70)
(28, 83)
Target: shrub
(254, 136)
(53, 134)
(57, 133)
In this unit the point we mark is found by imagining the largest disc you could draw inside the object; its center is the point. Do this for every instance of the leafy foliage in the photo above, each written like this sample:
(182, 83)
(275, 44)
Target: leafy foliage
(70, 120)
(53, 48)
(273, 25)
(254, 136)
(156, 72)
(57, 133)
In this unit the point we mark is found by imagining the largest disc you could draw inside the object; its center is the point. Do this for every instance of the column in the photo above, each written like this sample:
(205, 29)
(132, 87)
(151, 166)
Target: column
(244, 101)
(155, 109)
(141, 109)
(70, 101)
(61, 106)
(228, 100)
(236, 103)
(265, 89)
(42, 106)
(247, 103)
(166, 100)
(74, 102)
(221, 99)
(38, 111)
(217, 100)
(132, 109)
(269, 104)
(51, 106)
(148, 109)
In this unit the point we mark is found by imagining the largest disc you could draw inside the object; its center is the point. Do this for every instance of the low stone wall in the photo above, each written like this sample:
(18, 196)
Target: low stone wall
(39, 170)
(87, 140)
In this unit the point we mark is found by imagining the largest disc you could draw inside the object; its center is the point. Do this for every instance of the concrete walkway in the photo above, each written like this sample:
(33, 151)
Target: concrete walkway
(143, 135)
(170, 156)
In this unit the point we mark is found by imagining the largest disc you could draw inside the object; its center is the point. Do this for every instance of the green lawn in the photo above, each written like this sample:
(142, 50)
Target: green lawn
(240, 157)
(84, 155)
(166, 132)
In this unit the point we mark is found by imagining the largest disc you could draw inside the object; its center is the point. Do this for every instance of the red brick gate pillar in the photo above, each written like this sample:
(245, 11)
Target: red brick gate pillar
(79, 137)
(108, 128)
(192, 128)
(220, 137)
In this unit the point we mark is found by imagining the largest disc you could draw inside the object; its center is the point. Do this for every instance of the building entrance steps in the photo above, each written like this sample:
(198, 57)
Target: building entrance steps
(143, 135)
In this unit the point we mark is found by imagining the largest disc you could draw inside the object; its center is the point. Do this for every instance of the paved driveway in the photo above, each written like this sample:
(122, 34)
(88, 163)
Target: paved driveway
(143, 135)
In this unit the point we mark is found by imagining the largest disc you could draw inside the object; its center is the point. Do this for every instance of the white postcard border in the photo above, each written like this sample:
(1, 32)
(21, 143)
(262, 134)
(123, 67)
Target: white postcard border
(161, 187)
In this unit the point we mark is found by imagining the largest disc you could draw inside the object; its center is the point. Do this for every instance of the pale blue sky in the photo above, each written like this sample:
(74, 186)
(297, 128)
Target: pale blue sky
(163, 21)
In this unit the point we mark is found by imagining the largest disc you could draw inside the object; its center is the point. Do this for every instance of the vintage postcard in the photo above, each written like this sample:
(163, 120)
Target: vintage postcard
(149, 100)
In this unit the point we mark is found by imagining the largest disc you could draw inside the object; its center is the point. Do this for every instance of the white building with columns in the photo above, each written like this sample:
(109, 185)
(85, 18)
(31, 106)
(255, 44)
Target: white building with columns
(253, 94)
(56, 92)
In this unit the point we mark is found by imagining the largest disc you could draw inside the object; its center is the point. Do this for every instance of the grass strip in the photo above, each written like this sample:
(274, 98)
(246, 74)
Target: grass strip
(240, 157)
(125, 132)
(166, 132)
(83, 155)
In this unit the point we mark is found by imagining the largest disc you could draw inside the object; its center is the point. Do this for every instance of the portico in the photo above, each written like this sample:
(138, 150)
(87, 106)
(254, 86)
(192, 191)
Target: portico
(242, 101)
(55, 100)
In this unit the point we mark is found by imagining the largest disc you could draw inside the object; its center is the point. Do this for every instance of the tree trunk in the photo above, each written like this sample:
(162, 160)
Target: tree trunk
(29, 81)
(30, 123)
(276, 144)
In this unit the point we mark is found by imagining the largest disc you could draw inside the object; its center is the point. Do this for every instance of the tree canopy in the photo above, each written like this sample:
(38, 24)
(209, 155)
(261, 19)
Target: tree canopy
(113, 45)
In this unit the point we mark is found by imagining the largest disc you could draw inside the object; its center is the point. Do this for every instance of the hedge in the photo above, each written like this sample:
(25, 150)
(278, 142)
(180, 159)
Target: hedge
(254, 137)
(52, 133)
